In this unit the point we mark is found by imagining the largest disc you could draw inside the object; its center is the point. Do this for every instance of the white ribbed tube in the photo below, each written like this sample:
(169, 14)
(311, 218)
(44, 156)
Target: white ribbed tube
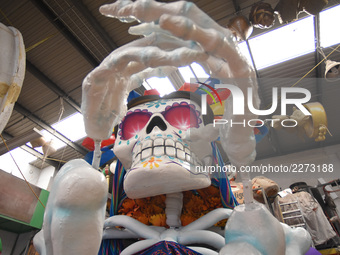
(96, 154)
(173, 209)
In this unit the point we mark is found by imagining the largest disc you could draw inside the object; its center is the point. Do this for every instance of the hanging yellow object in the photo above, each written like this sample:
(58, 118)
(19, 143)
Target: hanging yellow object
(316, 127)
(218, 109)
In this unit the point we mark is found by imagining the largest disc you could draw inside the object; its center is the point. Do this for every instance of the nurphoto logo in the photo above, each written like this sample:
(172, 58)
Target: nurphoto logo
(239, 101)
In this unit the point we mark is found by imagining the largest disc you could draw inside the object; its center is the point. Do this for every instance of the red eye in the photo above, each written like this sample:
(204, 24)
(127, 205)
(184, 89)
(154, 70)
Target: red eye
(182, 116)
(132, 123)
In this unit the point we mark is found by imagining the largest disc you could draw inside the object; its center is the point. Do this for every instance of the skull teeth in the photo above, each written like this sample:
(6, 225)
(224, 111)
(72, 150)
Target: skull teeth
(171, 151)
(163, 147)
(169, 142)
(146, 153)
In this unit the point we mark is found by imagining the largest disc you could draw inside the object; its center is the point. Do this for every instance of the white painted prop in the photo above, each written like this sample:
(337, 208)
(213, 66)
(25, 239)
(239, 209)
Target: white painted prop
(159, 160)
(12, 70)
(185, 34)
(75, 211)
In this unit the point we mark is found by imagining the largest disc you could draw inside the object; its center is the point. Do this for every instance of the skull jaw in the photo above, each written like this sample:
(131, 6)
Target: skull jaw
(168, 178)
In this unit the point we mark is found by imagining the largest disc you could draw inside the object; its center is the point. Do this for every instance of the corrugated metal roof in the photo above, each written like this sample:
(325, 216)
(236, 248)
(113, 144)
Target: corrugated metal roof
(64, 62)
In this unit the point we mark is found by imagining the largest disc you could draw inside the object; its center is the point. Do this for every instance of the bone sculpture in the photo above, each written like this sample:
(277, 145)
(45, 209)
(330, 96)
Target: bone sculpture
(175, 34)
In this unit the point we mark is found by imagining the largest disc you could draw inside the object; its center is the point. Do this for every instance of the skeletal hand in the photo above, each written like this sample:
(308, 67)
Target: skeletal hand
(176, 34)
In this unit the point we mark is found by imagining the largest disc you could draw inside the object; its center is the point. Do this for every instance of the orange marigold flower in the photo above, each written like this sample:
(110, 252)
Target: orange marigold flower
(158, 220)
(187, 219)
(194, 206)
(142, 218)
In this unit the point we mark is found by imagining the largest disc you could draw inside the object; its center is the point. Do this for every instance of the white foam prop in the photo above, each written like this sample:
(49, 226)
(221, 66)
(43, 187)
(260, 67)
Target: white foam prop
(12, 70)
(106, 88)
(188, 23)
(75, 211)
(183, 34)
(193, 233)
(243, 228)
(151, 147)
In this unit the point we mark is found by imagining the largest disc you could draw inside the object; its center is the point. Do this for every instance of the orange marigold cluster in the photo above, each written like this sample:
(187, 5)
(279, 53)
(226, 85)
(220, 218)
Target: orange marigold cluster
(151, 210)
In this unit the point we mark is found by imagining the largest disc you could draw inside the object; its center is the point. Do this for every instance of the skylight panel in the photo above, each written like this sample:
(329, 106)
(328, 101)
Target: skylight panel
(71, 127)
(245, 51)
(146, 85)
(163, 85)
(186, 73)
(284, 43)
(329, 32)
(190, 73)
(199, 71)
(21, 157)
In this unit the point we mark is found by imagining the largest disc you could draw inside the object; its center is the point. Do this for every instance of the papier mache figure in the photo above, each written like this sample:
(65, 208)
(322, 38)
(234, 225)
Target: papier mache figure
(159, 141)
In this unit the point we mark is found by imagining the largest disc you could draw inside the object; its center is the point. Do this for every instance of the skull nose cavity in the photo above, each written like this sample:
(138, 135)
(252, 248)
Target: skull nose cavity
(156, 122)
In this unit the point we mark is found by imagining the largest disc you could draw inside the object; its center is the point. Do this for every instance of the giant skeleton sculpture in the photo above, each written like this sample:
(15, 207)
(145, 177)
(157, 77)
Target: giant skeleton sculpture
(174, 34)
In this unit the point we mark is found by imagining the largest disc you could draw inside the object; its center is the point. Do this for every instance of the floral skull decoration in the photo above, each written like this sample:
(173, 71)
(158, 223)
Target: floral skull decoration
(152, 146)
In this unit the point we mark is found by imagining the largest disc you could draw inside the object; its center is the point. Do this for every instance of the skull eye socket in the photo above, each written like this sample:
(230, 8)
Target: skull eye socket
(182, 116)
(133, 123)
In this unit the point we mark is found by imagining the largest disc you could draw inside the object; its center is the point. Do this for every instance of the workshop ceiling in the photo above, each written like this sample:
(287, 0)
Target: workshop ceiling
(66, 39)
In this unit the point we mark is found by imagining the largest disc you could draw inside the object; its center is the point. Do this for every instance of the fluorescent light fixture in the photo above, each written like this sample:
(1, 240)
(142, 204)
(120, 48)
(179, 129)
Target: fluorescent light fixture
(163, 85)
(329, 31)
(282, 44)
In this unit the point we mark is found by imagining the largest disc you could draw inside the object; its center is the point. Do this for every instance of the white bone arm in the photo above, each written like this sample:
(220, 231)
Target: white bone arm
(115, 233)
(133, 225)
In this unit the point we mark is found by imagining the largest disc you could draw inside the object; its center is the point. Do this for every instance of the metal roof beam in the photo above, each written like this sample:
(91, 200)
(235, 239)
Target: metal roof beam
(40, 156)
(20, 109)
(33, 152)
(49, 14)
(51, 85)
(236, 6)
(94, 23)
(318, 57)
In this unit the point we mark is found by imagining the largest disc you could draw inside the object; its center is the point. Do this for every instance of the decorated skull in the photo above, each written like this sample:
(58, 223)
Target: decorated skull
(153, 146)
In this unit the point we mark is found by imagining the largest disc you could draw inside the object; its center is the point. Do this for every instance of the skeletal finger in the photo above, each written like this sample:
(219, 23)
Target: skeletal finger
(139, 50)
(142, 58)
(111, 10)
(149, 10)
(147, 29)
(214, 42)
